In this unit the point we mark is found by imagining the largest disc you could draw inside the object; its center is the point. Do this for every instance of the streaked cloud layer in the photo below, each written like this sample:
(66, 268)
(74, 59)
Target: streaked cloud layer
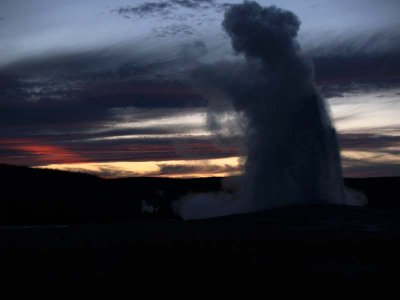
(171, 168)
(108, 83)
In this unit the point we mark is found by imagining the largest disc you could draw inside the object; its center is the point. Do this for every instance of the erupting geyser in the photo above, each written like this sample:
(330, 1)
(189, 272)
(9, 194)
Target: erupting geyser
(291, 147)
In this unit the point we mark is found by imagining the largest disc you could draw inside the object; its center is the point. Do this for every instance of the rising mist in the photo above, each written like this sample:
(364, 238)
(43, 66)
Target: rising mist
(290, 142)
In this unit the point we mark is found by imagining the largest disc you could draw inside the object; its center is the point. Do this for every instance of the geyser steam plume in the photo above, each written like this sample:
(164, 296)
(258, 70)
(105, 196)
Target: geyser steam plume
(292, 151)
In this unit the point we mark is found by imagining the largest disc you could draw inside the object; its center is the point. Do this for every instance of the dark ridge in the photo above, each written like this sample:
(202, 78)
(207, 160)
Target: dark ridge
(43, 196)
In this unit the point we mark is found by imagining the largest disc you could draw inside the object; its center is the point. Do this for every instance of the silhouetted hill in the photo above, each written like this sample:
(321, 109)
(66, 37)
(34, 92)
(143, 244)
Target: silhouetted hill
(42, 196)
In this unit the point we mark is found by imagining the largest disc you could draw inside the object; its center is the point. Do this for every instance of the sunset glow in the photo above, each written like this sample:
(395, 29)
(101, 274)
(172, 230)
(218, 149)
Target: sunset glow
(173, 168)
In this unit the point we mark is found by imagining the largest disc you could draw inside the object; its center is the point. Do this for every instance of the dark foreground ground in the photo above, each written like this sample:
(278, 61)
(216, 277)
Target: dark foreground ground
(321, 250)
(299, 249)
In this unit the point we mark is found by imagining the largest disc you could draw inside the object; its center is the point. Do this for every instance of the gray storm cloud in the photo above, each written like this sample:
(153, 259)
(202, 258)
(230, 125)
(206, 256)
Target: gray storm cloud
(291, 147)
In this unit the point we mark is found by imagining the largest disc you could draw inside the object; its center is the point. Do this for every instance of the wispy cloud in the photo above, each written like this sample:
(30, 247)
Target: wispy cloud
(169, 168)
(168, 8)
(33, 152)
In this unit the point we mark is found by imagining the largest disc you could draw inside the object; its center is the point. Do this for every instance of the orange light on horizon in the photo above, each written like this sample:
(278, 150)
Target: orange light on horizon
(219, 167)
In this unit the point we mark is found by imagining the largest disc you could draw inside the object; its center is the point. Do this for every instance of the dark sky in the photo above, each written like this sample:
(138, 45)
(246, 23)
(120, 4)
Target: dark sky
(104, 86)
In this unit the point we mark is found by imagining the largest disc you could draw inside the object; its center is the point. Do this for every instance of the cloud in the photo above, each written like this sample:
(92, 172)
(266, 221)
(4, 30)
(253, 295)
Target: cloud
(182, 13)
(193, 50)
(144, 9)
(165, 8)
(368, 142)
(365, 168)
(65, 101)
(168, 168)
(173, 30)
(106, 171)
(79, 98)
(364, 58)
(370, 155)
(68, 91)
(33, 152)
(40, 151)
(202, 169)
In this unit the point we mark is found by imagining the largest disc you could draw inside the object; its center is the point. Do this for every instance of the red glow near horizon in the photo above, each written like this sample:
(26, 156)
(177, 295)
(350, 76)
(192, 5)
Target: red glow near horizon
(41, 153)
